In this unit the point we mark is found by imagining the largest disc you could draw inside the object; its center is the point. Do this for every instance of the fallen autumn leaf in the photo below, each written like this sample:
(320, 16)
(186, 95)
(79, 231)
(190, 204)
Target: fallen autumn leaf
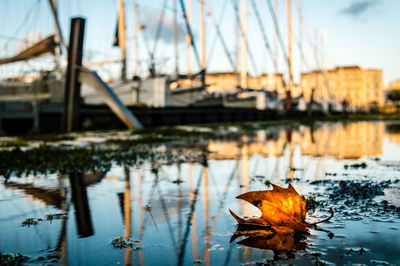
(282, 209)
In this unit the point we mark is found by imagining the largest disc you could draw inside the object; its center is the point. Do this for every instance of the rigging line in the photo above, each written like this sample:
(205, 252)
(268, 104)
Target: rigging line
(165, 212)
(38, 19)
(262, 29)
(304, 59)
(154, 187)
(313, 50)
(159, 29)
(300, 32)
(214, 38)
(228, 254)
(214, 185)
(145, 39)
(222, 201)
(10, 38)
(189, 30)
(25, 21)
(218, 32)
(189, 219)
(277, 31)
(242, 34)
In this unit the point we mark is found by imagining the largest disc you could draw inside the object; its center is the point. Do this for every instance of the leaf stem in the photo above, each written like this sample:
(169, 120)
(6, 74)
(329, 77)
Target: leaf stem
(325, 220)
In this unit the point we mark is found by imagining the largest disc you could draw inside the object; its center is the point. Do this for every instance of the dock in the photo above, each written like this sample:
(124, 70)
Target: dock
(25, 117)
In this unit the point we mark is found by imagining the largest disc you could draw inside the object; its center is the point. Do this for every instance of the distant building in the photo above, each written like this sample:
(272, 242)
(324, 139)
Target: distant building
(394, 85)
(229, 81)
(351, 84)
(222, 81)
(271, 82)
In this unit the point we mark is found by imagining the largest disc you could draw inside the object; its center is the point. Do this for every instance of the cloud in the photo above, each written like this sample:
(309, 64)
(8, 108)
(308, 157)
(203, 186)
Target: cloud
(151, 19)
(28, 40)
(358, 8)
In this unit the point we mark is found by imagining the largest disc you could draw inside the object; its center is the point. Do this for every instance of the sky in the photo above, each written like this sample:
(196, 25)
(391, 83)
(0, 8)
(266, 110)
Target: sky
(333, 33)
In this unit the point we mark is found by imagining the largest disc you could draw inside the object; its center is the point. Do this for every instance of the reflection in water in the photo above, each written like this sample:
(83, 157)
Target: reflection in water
(193, 218)
(343, 141)
(127, 213)
(81, 204)
(258, 237)
(48, 196)
(393, 132)
(188, 223)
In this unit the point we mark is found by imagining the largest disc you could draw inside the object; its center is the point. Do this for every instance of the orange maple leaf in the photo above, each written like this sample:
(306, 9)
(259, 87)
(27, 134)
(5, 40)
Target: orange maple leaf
(282, 209)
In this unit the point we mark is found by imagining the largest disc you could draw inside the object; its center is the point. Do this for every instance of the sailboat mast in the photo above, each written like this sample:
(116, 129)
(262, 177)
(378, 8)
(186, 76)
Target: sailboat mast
(243, 74)
(176, 38)
(58, 38)
(299, 11)
(275, 43)
(289, 53)
(203, 36)
(188, 37)
(122, 37)
(135, 36)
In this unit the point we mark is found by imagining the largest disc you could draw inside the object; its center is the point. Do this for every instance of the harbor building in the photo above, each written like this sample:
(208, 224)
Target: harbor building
(353, 85)
(229, 81)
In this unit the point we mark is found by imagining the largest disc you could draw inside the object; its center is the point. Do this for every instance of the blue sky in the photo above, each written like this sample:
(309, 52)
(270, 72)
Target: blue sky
(347, 32)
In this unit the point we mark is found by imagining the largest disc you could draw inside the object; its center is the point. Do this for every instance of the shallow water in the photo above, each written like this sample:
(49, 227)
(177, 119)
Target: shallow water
(177, 209)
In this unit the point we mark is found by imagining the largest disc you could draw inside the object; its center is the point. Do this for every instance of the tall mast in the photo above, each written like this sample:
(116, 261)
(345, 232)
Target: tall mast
(203, 37)
(300, 32)
(176, 38)
(135, 36)
(58, 38)
(237, 54)
(122, 37)
(188, 37)
(289, 53)
(243, 74)
(275, 42)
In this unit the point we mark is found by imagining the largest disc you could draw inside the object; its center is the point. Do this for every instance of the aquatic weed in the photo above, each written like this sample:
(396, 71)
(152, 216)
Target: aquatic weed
(50, 217)
(362, 165)
(30, 221)
(15, 259)
(311, 203)
(122, 242)
(17, 143)
(177, 181)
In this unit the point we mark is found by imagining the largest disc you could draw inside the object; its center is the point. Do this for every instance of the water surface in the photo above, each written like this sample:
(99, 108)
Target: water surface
(175, 204)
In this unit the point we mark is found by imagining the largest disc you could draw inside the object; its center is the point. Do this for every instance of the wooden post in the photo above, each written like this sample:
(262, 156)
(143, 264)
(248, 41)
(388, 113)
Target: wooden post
(1, 119)
(70, 119)
(36, 116)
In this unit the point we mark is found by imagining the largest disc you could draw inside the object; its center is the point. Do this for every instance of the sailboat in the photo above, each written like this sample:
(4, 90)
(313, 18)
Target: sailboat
(23, 92)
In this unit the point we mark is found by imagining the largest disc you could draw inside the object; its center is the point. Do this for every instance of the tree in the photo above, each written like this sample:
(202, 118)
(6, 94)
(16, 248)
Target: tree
(394, 95)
